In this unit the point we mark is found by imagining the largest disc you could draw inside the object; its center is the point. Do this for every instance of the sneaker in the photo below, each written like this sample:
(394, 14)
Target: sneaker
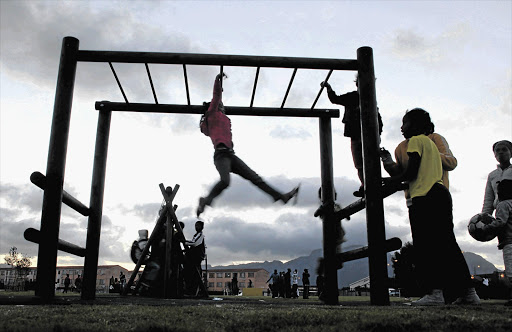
(470, 297)
(435, 298)
(359, 192)
(202, 204)
(292, 194)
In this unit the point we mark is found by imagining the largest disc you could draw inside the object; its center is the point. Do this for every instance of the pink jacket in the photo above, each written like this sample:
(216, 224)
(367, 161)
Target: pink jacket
(216, 124)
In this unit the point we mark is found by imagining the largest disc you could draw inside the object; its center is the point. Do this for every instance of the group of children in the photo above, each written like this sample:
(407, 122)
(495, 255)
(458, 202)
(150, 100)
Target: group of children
(286, 284)
(185, 270)
(423, 160)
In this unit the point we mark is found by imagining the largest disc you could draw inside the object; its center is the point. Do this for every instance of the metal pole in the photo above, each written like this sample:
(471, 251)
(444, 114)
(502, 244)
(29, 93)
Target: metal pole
(254, 87)
(118, 82)
(372, 179)
(329, 221)
(289, 87)
(92, 244)
(55, 168)
(151, 83)
(321, 89)
(186, 83)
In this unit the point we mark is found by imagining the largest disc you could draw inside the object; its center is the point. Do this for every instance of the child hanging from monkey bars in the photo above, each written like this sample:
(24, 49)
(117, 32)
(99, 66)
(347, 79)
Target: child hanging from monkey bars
(215, 124)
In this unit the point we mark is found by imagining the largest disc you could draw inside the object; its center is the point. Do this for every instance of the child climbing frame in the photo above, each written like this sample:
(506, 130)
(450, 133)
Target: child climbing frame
(53, 191)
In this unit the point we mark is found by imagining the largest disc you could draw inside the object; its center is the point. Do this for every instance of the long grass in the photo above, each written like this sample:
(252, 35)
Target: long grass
(250, 314)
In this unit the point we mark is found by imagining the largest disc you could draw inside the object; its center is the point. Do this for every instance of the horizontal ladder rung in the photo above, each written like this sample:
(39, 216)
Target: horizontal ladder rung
(40, 180)
(33, 235)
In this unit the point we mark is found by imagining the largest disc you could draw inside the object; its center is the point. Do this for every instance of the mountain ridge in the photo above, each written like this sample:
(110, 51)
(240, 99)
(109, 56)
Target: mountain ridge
(352, 271)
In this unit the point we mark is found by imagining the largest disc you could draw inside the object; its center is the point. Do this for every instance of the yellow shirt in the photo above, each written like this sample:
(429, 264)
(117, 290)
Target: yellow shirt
(431, 169)
(447, 158)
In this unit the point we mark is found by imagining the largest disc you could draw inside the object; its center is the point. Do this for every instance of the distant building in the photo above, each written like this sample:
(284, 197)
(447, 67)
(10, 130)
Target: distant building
(362, 283)
(219, 280)
(103, 276)
(8, 277)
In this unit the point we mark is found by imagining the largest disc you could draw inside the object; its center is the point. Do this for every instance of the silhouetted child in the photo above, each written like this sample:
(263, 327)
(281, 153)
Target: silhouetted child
(430, 215)
(215, 124)
(305, 284)
(352, 121)
(502, 225)
(194, 255)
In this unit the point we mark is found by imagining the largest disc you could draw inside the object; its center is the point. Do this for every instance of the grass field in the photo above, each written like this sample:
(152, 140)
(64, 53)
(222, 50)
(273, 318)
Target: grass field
(229, 313)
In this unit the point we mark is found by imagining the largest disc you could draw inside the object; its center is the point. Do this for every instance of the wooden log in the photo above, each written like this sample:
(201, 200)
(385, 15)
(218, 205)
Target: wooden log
(55, 167)
(33, 235)
(390, 245)
(217, 60)
(360, 204)
(96, 206)
(372, 177)
(39, 180)
(329, 223)
(230, 110)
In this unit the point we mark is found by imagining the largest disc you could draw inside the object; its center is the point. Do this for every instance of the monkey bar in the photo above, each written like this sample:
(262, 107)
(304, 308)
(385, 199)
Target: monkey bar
(53, 190)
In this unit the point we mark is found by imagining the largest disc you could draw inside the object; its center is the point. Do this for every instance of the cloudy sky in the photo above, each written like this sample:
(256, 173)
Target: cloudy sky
(452, 58)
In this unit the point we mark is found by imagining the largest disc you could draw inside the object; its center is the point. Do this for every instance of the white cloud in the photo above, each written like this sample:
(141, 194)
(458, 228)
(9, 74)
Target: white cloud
(411, 44)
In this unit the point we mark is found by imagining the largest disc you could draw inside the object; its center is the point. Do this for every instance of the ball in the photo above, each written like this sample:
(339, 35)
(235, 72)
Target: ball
(477, 230)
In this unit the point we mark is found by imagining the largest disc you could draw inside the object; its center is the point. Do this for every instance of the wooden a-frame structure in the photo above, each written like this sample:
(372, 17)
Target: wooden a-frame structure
(52, 183)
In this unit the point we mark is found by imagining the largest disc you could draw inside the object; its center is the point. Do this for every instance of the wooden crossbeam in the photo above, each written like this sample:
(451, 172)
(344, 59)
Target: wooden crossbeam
(230, 110)
(391, 244)
(360, 204)
(217, 60)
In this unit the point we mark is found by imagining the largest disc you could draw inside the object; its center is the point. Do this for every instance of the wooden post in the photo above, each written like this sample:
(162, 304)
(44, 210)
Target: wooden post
(92, 245)
(56, 164)
(329, 221)
(372, 178)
